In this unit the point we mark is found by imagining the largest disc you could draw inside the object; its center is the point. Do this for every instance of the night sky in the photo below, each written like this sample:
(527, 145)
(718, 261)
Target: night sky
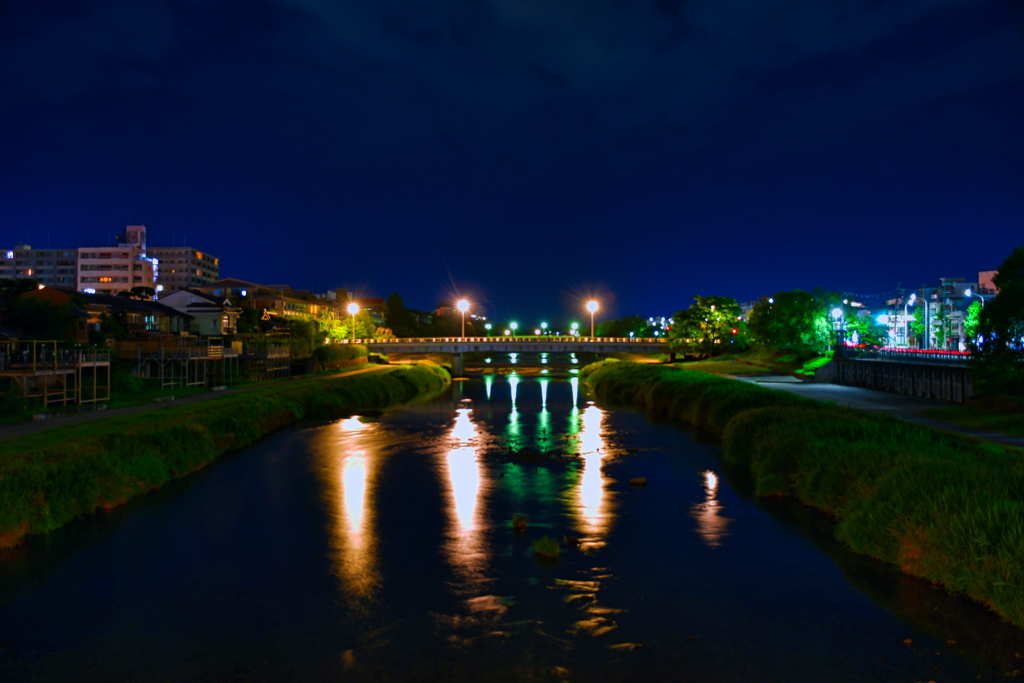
(524, 153)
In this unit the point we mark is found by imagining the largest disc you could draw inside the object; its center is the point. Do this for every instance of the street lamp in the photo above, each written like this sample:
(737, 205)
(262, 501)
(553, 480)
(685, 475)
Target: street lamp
(544, 326)
(514, 326)
(906, 322)
(592, 307)
(488, 328)
(969, 295)
(463, 306)
(353, 308)
(575, 330)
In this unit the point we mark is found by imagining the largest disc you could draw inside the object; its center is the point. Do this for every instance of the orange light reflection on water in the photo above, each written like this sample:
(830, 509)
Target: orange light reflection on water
(349, 476)
(711, 525)
(592, 497)
(466, 549)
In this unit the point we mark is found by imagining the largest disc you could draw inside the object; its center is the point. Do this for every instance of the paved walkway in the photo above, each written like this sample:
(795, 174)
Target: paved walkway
(11, 431)
(870, 401)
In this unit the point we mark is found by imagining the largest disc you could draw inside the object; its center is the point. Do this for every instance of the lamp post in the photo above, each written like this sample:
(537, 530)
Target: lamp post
(488, 328)
(906, 323)
(463, 306)
(592, 307)
(353, 308)
(514, 326)
(980, 297)
(575, 330)
(544, 326)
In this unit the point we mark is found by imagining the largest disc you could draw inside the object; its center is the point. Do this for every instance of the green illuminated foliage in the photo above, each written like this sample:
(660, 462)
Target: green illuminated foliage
(707, 326)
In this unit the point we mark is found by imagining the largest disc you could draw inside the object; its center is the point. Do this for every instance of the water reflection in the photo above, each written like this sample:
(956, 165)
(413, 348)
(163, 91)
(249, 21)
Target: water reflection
(466, 549)
(711, 525)
(592, 497)
(488, 383)
(350, 478)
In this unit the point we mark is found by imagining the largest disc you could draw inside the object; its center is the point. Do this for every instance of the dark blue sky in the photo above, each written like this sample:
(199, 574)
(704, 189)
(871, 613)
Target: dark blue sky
(525, 152)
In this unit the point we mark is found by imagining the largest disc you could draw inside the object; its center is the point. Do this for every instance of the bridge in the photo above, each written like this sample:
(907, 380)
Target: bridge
(460, 345)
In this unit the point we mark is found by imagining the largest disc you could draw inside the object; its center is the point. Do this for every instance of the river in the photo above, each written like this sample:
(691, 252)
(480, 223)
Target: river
(382, 548)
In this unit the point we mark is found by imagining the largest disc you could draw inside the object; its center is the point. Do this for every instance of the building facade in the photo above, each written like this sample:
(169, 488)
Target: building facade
(181, 268)
(109, 270)
(50, 267)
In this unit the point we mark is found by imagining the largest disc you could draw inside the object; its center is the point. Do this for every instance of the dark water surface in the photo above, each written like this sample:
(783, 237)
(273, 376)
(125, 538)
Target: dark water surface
(382, 549)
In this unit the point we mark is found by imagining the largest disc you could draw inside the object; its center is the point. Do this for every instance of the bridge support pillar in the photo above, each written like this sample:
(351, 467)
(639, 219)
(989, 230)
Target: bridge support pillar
(457, 369)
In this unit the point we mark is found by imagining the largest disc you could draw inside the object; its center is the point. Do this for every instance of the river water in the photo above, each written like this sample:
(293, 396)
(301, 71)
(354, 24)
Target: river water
(382, 548)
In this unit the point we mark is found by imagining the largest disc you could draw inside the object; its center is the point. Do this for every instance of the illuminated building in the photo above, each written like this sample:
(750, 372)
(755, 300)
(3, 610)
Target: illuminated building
(184, 268)
(51, 267)
(109, 270)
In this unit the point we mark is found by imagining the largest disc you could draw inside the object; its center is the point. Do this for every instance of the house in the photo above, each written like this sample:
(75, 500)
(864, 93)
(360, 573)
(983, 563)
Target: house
(138, 318)
(211, 315)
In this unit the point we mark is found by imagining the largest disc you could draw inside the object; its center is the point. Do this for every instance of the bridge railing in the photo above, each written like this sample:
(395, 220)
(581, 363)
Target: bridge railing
(507, 340)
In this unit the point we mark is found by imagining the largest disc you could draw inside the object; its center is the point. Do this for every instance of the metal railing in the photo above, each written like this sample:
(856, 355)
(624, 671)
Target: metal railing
(31, 355)
(509, 339)
(920, 356)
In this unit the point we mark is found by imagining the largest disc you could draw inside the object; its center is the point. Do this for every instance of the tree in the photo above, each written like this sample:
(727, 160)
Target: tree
(139, 293)
(973, 320)
(711, 325)
(398, 318)
(623, 326)
(41, 319)
(997, 354)
(917, 327)
(339, 330)
(869, 331)
(13, 287)
(794, 320)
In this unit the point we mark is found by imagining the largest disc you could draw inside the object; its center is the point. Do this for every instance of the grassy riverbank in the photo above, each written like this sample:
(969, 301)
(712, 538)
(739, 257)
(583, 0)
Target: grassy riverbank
(48, 479)
(940, 507)
(1000, 414)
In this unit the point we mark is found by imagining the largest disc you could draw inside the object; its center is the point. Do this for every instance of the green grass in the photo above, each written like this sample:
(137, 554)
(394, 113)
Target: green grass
(776, 361)
(51, 477)
(941, 507)
(1003, 415)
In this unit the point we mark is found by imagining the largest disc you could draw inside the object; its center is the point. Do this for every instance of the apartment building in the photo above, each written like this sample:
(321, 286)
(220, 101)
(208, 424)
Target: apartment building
(184, 268)
(51, 267)
(109, 270)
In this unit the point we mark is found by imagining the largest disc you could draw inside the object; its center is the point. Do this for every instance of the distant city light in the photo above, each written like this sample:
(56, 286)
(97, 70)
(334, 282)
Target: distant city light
(537, 332)
(575, 326)
(89, 290)
(159, 288)
(837, 313)
(507, 332)
(244, 292)
(10, 254)
(771, 300)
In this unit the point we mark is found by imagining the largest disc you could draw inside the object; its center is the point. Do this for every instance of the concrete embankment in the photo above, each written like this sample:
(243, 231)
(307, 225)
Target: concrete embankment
(49, 478)
(941, 507)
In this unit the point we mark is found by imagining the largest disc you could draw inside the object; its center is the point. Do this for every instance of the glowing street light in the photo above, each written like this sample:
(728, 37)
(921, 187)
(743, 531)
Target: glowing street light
(514, 326)
(536, 332)
(592, 307)
(488, 328)
(463, 306)
(353, 308)
(969, 295)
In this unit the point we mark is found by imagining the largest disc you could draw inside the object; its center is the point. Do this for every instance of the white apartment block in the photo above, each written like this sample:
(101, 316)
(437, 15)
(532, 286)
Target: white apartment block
(109, 270)
(184, 268)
